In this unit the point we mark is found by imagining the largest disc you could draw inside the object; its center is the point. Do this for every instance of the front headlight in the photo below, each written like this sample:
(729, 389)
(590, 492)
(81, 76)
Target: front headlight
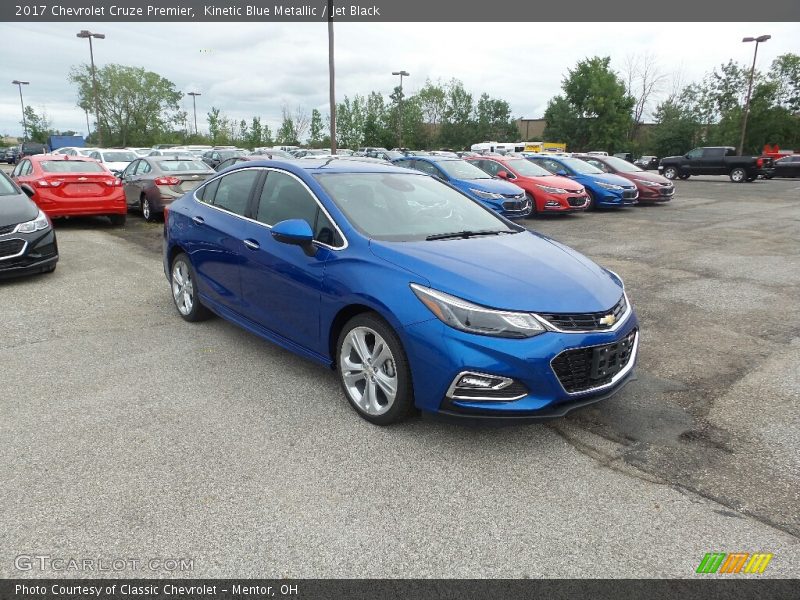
(465, 316)
(608, 186)
(40, 222)
(552, 190)
(485, 195)
(645, 182)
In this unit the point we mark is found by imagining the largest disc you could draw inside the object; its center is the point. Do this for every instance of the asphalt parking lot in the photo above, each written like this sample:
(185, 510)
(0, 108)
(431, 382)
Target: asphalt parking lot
(126, 432)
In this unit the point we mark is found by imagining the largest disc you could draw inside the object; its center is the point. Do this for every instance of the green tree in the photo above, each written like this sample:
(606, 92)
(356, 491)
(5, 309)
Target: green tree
(38, 126)
(254, 138)
(214, 124)
(432, 102)
(286, 133)
(599, 106)
(457, 130)
(785, 72)
(350, 119)
(136, 106)
(316, 129)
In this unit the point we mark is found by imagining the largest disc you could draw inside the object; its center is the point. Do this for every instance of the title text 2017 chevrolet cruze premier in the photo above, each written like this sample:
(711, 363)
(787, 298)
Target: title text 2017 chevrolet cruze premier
(417, 295)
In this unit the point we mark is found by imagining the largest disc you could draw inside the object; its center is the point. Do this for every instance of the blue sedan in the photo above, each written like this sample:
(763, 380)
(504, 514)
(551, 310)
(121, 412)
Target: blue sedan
(501, 196)
(416, 295)
(604, 189)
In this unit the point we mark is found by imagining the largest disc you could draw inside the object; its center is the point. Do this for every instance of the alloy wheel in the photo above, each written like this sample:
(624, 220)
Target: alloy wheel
(368, 370)
(182, 287)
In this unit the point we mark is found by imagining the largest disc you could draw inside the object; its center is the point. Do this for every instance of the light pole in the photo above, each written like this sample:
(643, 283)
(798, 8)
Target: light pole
(84, 33)
(757, 40)
(331, 78)
(194, 96)
(19, 84)
(400, 107)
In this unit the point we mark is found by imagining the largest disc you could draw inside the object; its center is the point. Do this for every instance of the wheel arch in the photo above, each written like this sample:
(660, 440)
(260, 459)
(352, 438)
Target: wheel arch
(348, 312)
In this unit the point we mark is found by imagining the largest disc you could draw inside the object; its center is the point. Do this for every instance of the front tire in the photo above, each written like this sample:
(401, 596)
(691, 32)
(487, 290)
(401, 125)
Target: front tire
(592, 202)
(738, 175)
(373, 370)
(532, 200)
(183, 282)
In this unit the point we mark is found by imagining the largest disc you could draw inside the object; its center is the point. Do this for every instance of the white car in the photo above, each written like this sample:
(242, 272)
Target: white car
(74, 151)
(140, 151)
(115, 160)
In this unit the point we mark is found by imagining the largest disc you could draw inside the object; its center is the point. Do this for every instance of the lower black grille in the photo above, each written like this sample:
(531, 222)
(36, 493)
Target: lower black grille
(7, 229)
(630, 194)
(600, 321)
(576, 201)
(584, 369)
(11, 247)
(512, 205)
(667, 191)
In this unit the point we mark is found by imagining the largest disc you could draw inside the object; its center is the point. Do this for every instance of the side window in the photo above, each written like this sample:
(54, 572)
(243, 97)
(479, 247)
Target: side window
(17, 170)
(25, 168)
(284, 197)
(552, 166)
(94, 155)
(492, 167)
(207, 193)
(233, 191)
(696, 153)
(144, 168)
(428, 168)
(130, 169)
(596, 163)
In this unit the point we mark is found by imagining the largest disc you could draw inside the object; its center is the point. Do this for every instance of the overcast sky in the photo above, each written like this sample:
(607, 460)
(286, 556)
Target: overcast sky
(255, 69)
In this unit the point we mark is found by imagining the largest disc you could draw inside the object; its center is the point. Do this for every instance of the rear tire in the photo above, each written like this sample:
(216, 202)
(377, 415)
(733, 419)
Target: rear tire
(183, 282)
(738, 175)
(147, 209)
(684, 177)
(373, 370)
(118, 220)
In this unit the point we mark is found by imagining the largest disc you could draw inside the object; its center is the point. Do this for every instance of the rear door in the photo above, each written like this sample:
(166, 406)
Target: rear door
(281, 285)
(216, 233)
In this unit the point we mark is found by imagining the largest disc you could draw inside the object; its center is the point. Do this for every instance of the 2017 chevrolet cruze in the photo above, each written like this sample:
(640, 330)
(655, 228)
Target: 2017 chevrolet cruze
(417, 295)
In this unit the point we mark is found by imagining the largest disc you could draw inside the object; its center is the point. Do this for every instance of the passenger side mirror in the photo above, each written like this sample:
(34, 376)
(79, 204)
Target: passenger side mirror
(503, 174)
(562, 173)
(296, 232)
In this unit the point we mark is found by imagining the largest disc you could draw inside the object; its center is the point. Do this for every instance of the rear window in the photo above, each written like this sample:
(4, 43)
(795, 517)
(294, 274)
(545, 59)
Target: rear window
(119, 156)
(71, 166)
(182, 165)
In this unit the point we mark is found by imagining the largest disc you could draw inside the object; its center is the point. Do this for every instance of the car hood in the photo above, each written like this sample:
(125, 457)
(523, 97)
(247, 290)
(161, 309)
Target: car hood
(522, 272)
(606, 178)
(497, 186)
(16, 209)
(645, 176)
(564, 183)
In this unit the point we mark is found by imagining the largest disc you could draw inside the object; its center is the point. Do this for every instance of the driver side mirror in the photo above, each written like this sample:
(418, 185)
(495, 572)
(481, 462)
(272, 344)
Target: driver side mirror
(295, 232)
(28, 191)
(504, 175)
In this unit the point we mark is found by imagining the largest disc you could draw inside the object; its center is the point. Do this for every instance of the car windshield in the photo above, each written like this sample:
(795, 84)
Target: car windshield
(119, 156)
(406, 207)
(71, 166)
(6, 187)
(223, 154)
(182, 165)
(580, 166)
(461, 169)
(527, 169)
(618, 164)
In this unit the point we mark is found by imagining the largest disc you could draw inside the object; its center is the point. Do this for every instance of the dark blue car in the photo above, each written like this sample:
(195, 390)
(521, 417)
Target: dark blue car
(501, 196)
(604, 189)
(415, 294)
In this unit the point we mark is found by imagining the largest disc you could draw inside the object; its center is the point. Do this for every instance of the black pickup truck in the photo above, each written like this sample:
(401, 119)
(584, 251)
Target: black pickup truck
(715, 160)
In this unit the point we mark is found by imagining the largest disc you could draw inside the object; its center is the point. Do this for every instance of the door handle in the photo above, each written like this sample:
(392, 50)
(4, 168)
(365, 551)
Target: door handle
(252, 244)
(198, 220)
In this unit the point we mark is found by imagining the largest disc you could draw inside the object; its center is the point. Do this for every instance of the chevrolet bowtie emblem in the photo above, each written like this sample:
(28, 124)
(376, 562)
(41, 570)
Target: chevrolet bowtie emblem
(609, 320)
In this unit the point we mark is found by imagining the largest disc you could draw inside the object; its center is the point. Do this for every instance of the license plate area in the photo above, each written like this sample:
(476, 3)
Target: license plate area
(609, 360)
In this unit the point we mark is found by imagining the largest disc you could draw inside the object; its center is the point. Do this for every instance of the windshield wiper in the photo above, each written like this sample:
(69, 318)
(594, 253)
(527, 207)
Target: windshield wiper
(466, 234)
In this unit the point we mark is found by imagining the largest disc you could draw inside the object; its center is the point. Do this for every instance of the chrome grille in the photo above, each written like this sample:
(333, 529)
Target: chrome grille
(587, 321)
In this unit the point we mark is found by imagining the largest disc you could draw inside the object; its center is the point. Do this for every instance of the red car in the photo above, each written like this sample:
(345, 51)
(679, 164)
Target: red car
(652, 186)
(548, 192)
(70, 186)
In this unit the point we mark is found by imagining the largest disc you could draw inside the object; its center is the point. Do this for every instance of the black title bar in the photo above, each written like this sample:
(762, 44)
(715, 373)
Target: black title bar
(400, 10)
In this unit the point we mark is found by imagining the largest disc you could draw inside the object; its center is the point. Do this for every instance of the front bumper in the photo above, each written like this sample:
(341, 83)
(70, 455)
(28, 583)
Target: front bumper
(438, 354)
(656, 193)
(39, 254)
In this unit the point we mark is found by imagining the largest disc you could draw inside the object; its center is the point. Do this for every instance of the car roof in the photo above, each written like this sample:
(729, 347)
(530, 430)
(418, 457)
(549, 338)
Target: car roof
(325, 165)
(431, 158)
